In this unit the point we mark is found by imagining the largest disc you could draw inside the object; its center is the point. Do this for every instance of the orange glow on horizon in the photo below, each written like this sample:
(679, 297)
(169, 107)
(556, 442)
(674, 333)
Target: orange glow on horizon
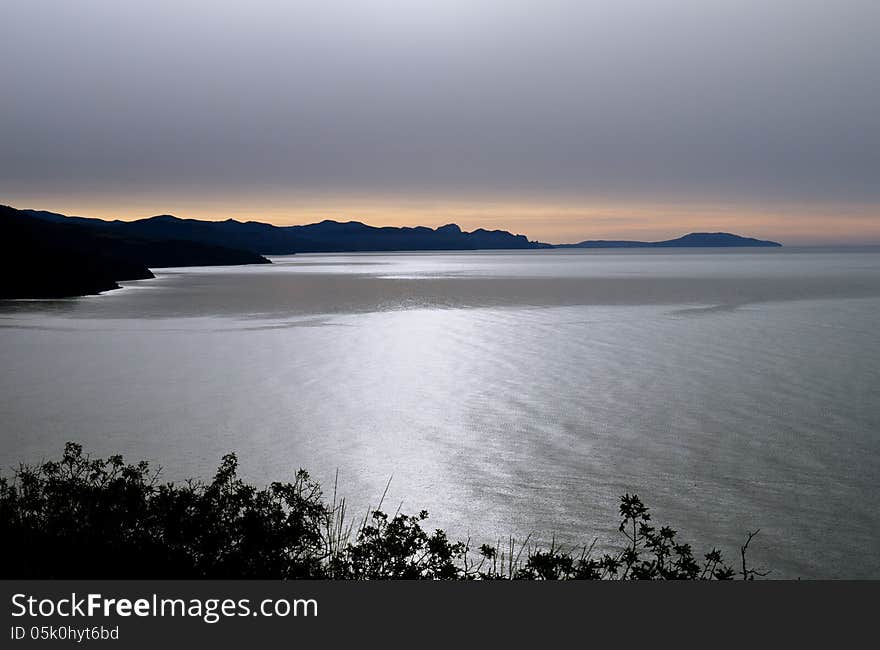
(552, 221)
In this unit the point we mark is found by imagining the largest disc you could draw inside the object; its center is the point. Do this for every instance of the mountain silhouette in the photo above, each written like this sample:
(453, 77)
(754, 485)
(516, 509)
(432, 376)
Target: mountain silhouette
(692, 240)
(324, 237)
(353, 236)
(46, 258)
(47, 254)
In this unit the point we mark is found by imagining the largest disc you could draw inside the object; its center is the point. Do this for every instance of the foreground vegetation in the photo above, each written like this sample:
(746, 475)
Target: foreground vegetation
(81, 517)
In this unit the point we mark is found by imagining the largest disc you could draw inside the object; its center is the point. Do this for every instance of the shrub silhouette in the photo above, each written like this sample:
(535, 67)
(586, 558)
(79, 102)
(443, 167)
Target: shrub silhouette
(83, 517)
(102, 518)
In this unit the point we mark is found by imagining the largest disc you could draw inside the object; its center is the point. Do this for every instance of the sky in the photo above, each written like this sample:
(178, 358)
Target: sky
(559, 119)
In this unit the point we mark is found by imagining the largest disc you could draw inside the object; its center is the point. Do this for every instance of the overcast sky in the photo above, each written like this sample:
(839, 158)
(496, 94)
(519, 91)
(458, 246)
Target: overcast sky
(561, 119)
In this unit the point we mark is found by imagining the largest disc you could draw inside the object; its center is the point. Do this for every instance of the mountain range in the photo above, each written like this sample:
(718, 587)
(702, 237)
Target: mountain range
(48, 255)
(324, 237)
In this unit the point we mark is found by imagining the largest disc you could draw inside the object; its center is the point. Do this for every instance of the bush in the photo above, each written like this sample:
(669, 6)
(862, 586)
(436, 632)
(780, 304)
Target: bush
(102, 518)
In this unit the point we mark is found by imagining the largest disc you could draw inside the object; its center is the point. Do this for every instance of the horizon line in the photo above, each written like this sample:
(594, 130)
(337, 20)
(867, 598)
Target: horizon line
(806, 242)
(369, 225)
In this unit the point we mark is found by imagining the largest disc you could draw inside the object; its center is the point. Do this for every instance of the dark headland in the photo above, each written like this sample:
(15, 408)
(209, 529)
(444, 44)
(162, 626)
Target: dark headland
(58, 259)
(51, 255)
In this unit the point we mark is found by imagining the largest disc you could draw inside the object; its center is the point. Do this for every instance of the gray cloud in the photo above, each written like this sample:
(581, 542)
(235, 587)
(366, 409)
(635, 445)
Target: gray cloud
(734, 98)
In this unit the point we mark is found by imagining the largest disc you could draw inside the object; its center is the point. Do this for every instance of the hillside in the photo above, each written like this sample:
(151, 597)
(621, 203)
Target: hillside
(324, 237)
(42, 258)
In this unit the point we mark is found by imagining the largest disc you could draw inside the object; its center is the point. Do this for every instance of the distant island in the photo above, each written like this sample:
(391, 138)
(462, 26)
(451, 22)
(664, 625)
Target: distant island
(51, 255)
(693, 240)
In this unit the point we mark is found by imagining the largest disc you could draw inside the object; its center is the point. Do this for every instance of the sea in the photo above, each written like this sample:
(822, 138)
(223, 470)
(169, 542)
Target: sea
(509, 393)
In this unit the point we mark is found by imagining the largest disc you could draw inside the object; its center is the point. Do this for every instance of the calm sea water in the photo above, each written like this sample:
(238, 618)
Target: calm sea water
(507, 393)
